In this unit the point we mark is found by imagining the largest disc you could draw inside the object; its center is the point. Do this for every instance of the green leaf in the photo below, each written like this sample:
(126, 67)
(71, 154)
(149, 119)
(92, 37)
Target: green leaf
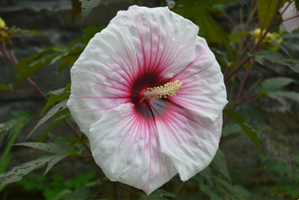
(266, 10)
(297, 4)
(61, 117)
(208, 190)
(81, 193)
(61, 90)
(18, 30)
(272, 84)
(207, 174)
(275, 57)
(209, 28)
(220, 162)
(8, 128)
(87, 6)
(224, 190)
(37, 61)
(70, 57)
(17, 173)
(56, 109)
(59, 146)
(12, 130)
(213, 32)
(5, 87)
(160, 194)
(251, 132)
(63, 143)
(201, 3)
(52, 148)
(235, 36)
(290, 95)
(90, 32)
(54, 99)
(235, 192)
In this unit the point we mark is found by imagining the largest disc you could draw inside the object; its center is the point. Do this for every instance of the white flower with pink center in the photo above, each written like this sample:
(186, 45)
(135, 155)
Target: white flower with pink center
(149, 94)
(290, 16)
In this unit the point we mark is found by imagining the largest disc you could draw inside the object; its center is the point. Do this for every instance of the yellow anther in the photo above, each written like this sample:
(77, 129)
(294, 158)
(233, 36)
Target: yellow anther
(169, 89)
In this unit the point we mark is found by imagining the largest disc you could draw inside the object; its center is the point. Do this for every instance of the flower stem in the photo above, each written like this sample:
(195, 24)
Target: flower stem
(252, 61)
(115, 192)
(180, 188)
(128, 189)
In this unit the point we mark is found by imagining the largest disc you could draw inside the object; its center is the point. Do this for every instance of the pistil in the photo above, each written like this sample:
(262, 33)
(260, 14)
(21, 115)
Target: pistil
(169, 89)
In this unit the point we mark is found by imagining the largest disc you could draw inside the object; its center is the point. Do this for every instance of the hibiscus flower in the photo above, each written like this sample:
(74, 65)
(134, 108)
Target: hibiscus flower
(149, 95)
(290, 16)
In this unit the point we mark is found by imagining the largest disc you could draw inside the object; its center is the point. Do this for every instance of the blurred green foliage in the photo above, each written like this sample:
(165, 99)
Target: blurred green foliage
(239, 48)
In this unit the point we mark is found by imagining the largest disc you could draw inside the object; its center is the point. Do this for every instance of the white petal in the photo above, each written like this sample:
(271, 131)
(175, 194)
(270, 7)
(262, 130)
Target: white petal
(137, 41)
(203, 91)
(163, 40)
(190, 144)
(102, 76)
(291, 11)
(125, 145)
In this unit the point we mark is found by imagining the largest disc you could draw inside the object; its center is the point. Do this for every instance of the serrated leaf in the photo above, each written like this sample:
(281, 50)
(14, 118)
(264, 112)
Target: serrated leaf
(61, 117)
(54, 161)
(52, 148)
(87, 6)
(63, 143)
(56, 109)
(37, 61)
(250, 131)
(272, 84)
(17, 173)
(9, 127)
(266, 10)
(5, 157)
(220, 162)
(5, 87)
(59, 146)
(70, 57)
(275, 57)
